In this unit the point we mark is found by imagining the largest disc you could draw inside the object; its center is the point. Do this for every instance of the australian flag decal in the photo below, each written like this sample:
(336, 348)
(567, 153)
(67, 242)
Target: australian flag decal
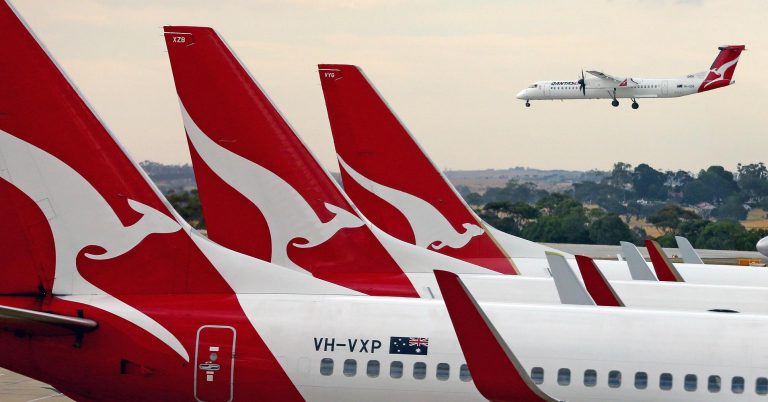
(403, 345)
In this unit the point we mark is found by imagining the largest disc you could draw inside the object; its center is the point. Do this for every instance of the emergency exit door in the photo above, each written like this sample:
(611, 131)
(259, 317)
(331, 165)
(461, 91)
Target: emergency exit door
(215, 363)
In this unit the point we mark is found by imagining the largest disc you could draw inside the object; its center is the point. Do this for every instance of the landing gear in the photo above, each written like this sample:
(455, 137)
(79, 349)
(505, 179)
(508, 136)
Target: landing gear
(527, 104)
(615, 103)
(635, 105)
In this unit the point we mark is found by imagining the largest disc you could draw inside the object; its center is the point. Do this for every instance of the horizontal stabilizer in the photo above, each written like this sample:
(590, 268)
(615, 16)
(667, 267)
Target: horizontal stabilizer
(495, 369)
(31, 322)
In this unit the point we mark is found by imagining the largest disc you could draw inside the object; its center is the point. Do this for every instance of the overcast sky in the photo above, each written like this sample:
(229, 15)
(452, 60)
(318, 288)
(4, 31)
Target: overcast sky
(450, 69)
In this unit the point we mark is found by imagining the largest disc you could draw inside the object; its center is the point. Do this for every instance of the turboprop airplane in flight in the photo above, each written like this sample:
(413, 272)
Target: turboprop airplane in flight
(264, 194)
(605, 86)
(397, 187)
(92, 257)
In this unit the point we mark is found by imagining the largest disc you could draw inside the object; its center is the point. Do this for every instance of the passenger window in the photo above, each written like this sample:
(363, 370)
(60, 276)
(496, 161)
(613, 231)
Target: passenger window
(350, 367)
(464, 374)
(689, 384)
(713, 385)
(396, 369)
(419, 370)
(590, 378)
(665, 381)
(641, 380)
(326, 366)
(443, 371)
(737, 385)
(564, 376)
(761, 386)
(373, 368)
(537, 375)
(614, 379)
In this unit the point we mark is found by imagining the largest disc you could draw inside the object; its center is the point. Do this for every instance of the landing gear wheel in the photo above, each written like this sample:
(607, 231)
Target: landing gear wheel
(527, 104)
(615, 103)
(635, 105)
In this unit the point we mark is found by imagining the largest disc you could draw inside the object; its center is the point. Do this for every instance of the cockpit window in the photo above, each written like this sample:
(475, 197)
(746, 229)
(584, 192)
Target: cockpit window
(534, 86)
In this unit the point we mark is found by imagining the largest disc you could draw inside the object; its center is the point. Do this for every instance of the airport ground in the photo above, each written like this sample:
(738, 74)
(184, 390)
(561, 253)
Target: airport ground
(17, 388)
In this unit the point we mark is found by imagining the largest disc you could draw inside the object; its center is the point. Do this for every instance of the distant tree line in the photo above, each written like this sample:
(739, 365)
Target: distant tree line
(704, 207)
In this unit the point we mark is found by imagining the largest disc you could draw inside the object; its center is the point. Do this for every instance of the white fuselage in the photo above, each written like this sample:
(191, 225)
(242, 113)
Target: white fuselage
(550, 337)
(634, 294)
(596, 88)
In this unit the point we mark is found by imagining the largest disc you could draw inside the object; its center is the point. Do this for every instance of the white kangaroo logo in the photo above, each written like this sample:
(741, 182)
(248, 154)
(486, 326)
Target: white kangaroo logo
(80, 217)
(430, 228)
(720, 71)
(287, 213)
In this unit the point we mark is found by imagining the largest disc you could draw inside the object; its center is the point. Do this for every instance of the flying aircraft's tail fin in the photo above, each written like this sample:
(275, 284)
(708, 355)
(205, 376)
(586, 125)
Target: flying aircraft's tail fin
(721, 72)
(598, 287)
(638, 268)
(263, 193)
(569, 287)
(496, 371)
(665, 270)
(690, 256)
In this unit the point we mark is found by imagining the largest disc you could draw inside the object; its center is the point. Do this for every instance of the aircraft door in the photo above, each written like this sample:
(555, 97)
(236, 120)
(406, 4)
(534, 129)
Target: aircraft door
(664, 88)
(214, 363)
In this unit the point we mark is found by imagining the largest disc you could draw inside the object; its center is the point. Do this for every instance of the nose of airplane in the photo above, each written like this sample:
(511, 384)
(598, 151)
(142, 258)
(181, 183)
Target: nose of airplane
(762, 246)
(521, 95)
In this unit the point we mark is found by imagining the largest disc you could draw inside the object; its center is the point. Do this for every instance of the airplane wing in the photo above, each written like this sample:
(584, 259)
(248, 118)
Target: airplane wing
(569, 288)
(665, 270)
(597, 286)
(690, 256)
(638, 268)
(605, 76)
(496, 370)
(31, 322)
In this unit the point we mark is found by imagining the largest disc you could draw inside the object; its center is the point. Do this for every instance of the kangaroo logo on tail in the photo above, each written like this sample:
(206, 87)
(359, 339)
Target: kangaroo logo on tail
(288, 215)
(430, 228)
(80, 217)
(722, 69)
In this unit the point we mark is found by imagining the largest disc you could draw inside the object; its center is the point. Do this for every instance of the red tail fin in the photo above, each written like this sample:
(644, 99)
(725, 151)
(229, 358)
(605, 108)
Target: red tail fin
(391, 179)
(79, 202)
(495, 369)
(597, 286)
(722, 69)
(664, 268)
(263, 193)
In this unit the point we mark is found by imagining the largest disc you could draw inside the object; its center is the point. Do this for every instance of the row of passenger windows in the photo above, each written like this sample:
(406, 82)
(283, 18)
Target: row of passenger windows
(396, 369)
(571, 87)
(690, 381)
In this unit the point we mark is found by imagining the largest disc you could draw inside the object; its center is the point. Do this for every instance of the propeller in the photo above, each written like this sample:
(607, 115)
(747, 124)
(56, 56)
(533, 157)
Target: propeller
(583, 84)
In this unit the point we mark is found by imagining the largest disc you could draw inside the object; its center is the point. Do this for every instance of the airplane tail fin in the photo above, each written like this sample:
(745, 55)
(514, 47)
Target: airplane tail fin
(84, 218)
(721, 72)
(393, 182)
(263, 192)
(75, 200)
